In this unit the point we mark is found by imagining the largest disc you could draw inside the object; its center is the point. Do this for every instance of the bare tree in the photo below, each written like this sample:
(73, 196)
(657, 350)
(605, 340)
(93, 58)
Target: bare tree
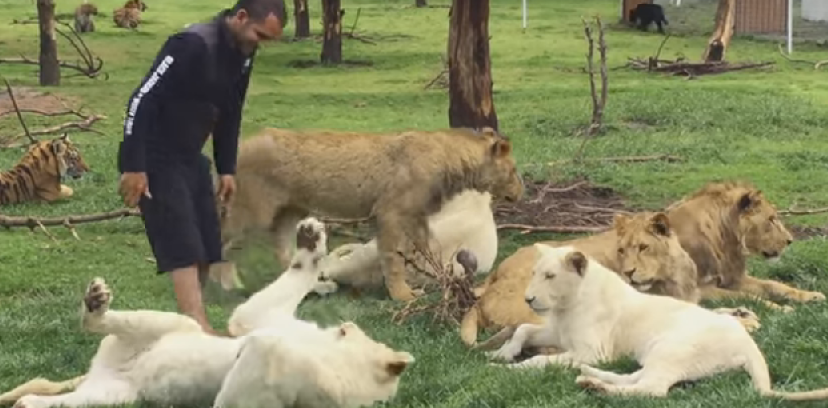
(332, 40)
(720, 39)
(49, 65)
(470, 77)
(302, 17)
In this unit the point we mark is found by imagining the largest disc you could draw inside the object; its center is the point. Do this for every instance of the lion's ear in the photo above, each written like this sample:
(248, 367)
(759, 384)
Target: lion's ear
(660, 224)
(501, 148)
(619, 221)
(577, 261)
(747, 200)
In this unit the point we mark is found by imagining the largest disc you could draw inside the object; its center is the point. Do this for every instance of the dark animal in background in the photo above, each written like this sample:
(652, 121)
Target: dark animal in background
(84, 22)
(646, 14)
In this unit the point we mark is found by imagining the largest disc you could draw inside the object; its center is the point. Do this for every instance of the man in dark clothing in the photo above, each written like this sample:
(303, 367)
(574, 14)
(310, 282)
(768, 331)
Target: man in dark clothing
(196, 86)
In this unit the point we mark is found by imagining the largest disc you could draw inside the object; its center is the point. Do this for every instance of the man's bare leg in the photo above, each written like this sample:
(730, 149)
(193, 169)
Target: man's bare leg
(187, 287)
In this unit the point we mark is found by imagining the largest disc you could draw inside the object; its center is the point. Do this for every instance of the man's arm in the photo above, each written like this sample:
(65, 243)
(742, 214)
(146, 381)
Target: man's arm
(178, 56)
(226, 132)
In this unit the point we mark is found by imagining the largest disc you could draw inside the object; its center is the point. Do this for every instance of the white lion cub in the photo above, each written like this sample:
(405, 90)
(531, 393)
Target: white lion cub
(594, 316)
(465, 222)
(165, 358)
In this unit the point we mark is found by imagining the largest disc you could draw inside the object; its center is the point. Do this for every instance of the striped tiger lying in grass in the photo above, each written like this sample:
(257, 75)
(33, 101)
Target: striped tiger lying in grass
(38, 175)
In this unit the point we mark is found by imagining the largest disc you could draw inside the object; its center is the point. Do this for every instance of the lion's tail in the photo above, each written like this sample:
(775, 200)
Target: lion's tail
(40, 386)
(498, 339)
(468, 326)
(757, 368)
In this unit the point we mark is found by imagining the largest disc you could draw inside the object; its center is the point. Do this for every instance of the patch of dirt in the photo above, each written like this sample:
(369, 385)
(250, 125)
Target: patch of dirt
(28, 98)
(575, 203)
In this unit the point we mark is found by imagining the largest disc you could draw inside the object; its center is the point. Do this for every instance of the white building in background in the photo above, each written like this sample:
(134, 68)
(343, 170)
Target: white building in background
(815, 10)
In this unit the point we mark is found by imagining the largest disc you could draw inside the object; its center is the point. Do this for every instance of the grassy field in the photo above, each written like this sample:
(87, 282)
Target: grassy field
(769, 127)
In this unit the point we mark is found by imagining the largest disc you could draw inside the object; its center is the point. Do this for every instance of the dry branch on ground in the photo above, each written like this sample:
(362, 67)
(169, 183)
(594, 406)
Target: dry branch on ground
(68, 221)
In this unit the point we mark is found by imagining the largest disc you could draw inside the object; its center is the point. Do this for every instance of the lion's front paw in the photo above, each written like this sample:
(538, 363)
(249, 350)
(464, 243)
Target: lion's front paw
(402, 292)
(97, 298)
(506, 352)
(325, 287)
(311, 237)
(590, 383)
(775, 306)
(805, 296)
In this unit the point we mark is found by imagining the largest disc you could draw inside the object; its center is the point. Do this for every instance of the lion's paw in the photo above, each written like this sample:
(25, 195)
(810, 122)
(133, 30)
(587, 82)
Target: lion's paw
(311, 237)
(98, 297)
(805, 296)
(506, 352)
(589, 383)
(28, 401)
(324, 287)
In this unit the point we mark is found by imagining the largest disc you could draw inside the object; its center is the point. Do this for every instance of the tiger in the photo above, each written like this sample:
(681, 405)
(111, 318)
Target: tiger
(38, 175)
(129, 16)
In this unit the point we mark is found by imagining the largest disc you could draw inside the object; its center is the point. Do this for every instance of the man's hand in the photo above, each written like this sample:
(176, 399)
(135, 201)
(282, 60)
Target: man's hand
(132, 187)
(227, 187)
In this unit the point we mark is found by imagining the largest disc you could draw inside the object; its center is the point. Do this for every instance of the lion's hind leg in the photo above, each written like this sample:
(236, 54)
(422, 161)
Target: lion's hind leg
(137, 327)
(610, 377)
(92, 392)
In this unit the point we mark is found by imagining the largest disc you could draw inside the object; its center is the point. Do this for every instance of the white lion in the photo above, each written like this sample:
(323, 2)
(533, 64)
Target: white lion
(465, 222)
(165, 358)
(594, 316)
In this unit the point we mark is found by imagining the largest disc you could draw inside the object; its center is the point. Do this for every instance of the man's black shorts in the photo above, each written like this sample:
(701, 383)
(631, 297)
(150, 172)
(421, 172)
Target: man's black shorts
(181, 219)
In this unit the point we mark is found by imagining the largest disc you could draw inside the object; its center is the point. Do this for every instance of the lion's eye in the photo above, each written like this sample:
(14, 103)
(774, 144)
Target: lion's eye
(550, 276)
(643, 247)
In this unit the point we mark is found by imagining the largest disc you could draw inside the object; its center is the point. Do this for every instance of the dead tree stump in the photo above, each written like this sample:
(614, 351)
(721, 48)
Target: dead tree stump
(471, 103)
(719, 41)
(48, 61)
(332, 41)
(302, 18)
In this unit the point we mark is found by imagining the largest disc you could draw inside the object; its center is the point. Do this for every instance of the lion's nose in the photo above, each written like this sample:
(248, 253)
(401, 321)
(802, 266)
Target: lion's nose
(529, 300)
(790, 241)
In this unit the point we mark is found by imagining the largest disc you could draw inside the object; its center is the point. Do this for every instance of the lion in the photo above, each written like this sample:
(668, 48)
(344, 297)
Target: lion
(595, 317)
(465, 221)
(642, 248)
(719, 226)
(166, 359)
(396, 179)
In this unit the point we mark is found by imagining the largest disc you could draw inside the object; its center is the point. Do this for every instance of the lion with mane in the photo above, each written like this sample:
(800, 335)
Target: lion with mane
(397, 179)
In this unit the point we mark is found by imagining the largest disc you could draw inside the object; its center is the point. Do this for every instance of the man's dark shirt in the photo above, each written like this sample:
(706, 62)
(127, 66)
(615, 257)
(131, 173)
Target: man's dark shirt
(196, 85)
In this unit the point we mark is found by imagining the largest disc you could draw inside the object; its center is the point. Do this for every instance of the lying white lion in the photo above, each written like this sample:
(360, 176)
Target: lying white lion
(165, 358)
(465, 222)
(594, 316)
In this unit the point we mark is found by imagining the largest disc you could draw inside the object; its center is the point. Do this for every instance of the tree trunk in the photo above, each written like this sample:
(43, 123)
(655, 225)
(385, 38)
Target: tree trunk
(725, 19)
(49, 67)
(421, 3)
(470, 77)
(332, 42)
(302, 17)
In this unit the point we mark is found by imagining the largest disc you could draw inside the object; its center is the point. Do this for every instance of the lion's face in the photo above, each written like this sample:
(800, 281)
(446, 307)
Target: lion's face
(555, 278)
(650, 256)
(761, 230)
(505, 183)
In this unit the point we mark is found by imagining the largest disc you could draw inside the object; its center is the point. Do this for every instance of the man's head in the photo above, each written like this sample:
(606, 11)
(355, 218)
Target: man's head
(253, 21)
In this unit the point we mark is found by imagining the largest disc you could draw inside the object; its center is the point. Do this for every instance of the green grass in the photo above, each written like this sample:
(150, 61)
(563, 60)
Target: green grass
(770, 127)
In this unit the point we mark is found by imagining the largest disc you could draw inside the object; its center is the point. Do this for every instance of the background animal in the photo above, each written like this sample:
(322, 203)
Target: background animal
(129, 16)
(465, 222)
(38, 175)
(397, 179)
(646, 14)
(84, 17)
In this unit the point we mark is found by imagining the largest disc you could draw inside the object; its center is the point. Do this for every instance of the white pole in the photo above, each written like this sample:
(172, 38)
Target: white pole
(524, 15)
(790, 27)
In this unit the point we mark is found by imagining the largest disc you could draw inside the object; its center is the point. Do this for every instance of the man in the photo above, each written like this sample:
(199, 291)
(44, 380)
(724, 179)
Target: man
(196, 86)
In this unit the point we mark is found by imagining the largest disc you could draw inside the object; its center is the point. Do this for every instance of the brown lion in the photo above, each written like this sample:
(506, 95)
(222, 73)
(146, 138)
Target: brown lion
(642, 248)
(397, 179)
(720, 225)
(129, 16)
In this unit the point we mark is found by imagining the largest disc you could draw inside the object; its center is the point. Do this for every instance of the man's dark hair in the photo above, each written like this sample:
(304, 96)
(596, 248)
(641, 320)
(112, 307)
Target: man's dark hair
(258, 10)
